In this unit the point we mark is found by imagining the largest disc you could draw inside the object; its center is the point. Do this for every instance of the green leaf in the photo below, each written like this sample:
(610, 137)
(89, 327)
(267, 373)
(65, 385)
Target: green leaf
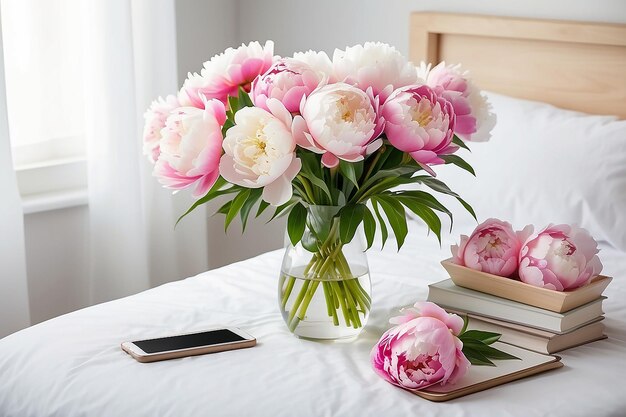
(369, 226)
(468, 208)
(349, 219)
(483, 337)
(426, 214)
(310, 162)
(402, 174)
(236, 205)
(477, 358)
(224, 208)
(296, 223)
(426, 199)
(262, 206)
(280, 210)
(458, 161)
(460, 143)
(244, 99)
(396, 217)
(254, 196)
(318, 183)
(233, 105)
(347, 169)
(441, 187)
(383, 228)
(488, 351)
(210, 195)
(436, 185)
(394, 158)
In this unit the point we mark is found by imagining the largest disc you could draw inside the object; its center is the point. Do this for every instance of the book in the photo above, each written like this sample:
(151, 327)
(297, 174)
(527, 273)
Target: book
(449, 296)
(480, 378)
(539, 340)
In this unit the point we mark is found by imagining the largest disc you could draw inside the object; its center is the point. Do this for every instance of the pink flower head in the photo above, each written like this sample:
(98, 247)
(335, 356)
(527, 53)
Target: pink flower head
(474, 119)
(287, 80)
(421, 123)
(560, 257)
(339, 121)
(155, 118)
(259, 152)
(225, 73)
(376, 65)
(423, 350)
(191, 147)
(493, 247)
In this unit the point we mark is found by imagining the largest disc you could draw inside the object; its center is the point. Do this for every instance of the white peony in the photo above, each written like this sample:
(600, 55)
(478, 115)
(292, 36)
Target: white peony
(260, 152)
(339, 121)
(374, 64)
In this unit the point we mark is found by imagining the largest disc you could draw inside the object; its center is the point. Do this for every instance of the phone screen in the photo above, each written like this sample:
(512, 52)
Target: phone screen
(187, 341)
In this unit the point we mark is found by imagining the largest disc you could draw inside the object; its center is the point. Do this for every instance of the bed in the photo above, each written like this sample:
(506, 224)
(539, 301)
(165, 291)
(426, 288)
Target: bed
(73, 366)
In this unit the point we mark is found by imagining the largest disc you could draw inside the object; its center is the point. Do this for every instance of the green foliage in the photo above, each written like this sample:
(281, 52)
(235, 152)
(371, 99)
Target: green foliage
(296, 222)
(458, 161)
(477, 349)
(459, 142)
(349, 219)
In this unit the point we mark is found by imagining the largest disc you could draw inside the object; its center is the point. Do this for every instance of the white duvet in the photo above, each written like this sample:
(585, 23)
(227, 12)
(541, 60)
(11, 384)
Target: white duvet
(73, 365)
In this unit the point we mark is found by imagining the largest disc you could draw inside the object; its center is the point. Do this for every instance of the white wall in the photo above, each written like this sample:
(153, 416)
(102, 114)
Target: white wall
(328, 24)
(56, 240)
(206, 28)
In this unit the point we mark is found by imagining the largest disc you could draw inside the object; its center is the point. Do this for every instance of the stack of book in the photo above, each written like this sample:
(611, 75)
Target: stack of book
(521, 324)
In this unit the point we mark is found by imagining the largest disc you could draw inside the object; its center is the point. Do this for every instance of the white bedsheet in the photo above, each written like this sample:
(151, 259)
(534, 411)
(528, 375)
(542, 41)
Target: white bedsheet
(73, 365)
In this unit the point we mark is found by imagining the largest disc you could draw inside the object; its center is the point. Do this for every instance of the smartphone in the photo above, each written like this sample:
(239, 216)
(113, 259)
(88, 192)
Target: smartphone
(189, 344)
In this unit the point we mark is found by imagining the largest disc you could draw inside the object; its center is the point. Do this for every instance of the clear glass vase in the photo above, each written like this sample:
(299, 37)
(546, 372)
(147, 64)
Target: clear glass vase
(324, 290)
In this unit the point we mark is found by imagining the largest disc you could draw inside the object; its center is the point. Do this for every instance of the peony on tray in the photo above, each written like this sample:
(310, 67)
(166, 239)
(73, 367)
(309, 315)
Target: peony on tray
(512, 289)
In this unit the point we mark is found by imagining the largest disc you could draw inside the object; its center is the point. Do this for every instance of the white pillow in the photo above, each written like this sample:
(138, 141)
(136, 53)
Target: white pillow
(546, 165)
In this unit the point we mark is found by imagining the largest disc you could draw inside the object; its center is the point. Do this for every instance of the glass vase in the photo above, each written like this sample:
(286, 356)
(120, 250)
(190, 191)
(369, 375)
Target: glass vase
(324, 290)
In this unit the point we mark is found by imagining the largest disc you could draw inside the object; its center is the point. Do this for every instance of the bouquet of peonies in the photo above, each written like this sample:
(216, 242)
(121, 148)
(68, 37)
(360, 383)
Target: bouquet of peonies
(306, 131)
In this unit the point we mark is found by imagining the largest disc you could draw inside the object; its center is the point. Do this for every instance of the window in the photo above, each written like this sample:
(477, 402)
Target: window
(42, 47)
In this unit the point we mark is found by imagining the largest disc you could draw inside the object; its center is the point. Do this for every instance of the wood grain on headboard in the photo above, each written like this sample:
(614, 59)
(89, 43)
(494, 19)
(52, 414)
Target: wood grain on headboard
(572, 65)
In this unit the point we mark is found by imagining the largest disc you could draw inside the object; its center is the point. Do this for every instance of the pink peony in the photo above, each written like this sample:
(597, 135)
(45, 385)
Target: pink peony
(225, 73)
(261, 153)
(422, 350)
(421, 123)
(376, 65)
(191, 147)
(474, 119)
(155, 118)
(339, 121)
(288, 80)
(493, 247)
(560, 257)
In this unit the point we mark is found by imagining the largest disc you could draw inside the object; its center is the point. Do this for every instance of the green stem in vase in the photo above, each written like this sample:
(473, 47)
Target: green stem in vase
(287, 292)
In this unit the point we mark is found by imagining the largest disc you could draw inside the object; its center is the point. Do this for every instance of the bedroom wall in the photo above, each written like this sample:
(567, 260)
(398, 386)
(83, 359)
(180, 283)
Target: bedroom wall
(56, 264)
(327, 24)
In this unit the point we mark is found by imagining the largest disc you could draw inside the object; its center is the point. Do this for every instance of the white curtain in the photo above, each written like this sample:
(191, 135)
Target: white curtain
(130, 58)
(14, 308)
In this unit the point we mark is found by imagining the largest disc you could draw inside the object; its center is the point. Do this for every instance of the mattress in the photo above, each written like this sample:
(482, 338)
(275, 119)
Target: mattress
(73, 365)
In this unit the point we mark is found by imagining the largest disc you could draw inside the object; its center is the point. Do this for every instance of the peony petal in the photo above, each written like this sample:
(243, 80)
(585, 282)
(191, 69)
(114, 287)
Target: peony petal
(329, 160)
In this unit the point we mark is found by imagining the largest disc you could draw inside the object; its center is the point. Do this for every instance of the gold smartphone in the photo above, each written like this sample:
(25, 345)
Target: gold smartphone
(189, 344)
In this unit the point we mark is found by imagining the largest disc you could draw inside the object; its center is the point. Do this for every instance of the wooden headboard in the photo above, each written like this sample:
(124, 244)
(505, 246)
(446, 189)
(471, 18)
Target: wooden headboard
(572, 65)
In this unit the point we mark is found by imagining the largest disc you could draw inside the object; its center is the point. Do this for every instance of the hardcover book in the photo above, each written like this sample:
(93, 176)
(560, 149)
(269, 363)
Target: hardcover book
(480, 378)
(539, 340)
(450, 296)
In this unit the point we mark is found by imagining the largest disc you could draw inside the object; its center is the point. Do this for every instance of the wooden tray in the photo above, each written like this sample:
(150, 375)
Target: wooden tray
(512, 289)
